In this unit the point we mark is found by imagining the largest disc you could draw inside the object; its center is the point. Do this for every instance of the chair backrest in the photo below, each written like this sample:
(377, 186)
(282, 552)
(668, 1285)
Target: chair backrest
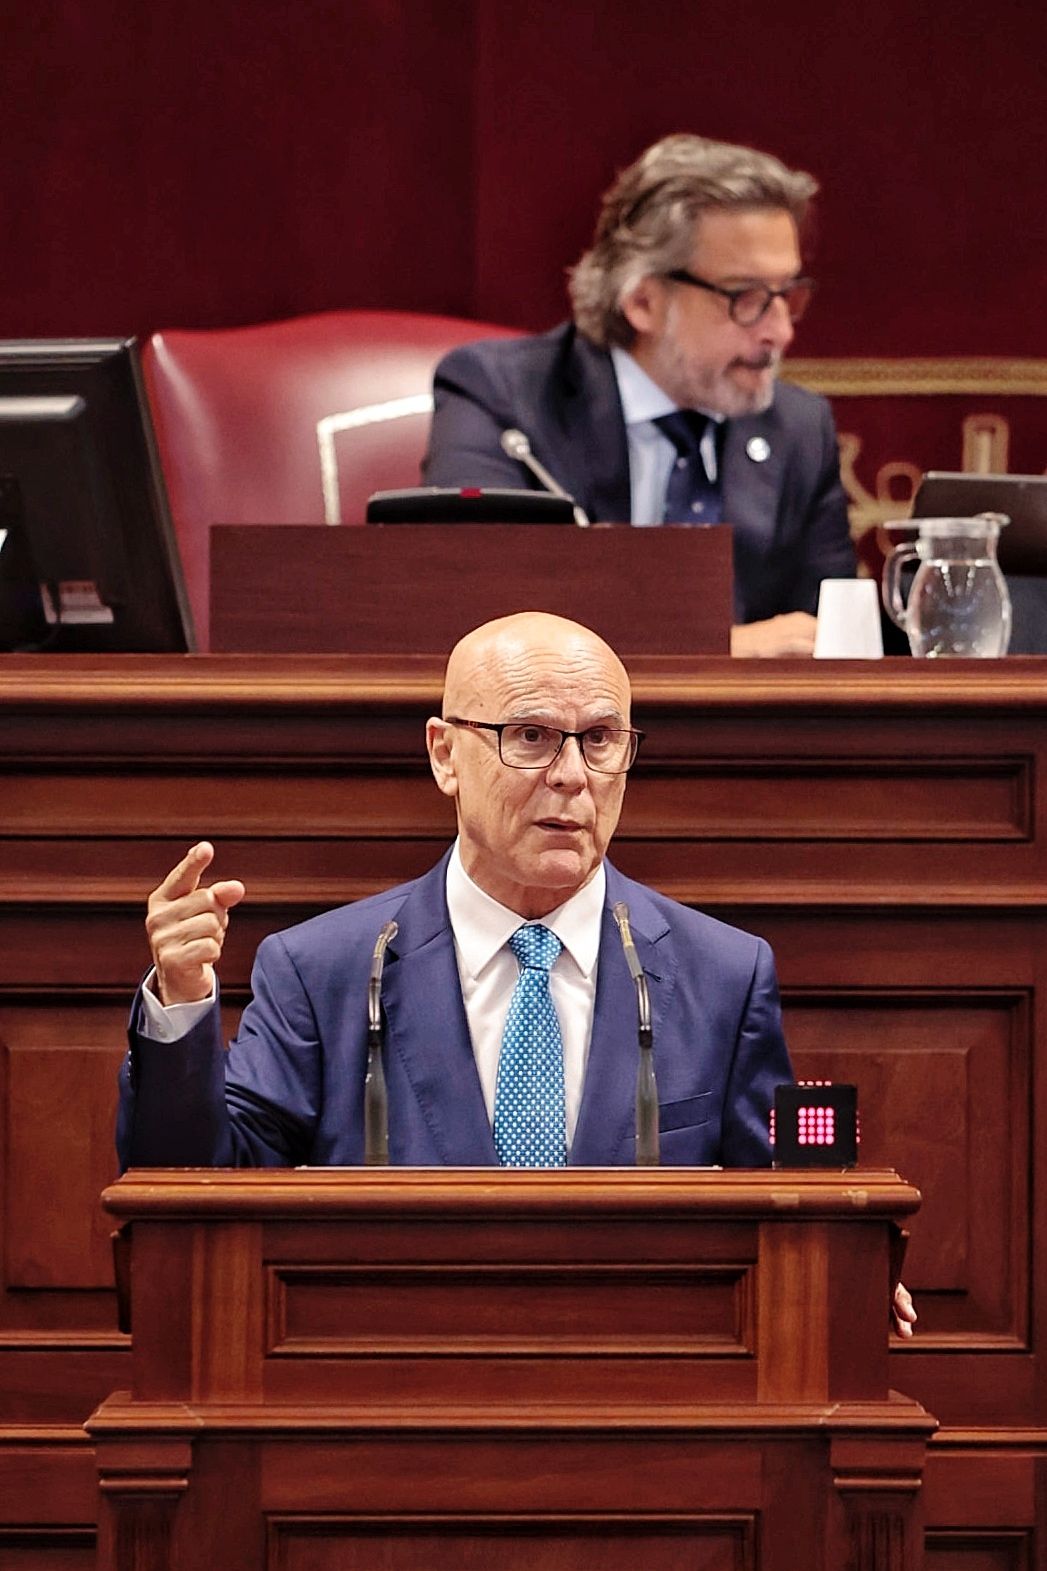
(291, 422)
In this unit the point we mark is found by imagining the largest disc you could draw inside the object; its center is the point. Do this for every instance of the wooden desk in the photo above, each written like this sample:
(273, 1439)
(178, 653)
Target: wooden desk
(884, 826)
(370, 591)
(335, 1370)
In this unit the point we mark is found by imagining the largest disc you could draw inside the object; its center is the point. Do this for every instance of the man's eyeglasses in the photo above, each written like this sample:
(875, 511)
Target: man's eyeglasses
(747, 304)
(524, 744)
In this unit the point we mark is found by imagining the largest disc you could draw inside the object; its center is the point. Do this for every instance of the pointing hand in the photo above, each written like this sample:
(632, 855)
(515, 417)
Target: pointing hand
(186, 924)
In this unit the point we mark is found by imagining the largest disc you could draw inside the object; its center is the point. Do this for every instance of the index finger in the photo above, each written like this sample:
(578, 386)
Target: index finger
(184, 878)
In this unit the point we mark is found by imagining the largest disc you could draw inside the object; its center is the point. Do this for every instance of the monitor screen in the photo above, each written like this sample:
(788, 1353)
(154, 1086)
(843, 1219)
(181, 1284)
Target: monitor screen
(88, 560)
(1021, 498)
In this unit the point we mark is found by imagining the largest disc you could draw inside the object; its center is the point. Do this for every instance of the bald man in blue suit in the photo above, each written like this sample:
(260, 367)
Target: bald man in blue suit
(533, 746)
(532, 842)
(291, 1090)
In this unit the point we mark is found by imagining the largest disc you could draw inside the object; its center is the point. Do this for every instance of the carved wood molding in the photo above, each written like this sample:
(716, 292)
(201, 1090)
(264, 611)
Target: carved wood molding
(141, 1482)
(903, 1422)
(264, 1194)
(76, 685)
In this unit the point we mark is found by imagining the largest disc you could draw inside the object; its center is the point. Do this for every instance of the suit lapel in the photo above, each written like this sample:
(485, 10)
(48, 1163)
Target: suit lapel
(426, 1027)
(751, 492)
(592, 436)
(607, 1116)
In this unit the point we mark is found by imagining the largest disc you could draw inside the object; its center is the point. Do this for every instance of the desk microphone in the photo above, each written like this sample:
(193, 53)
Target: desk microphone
(646, 1087)
(376, 1100)
(518, 446)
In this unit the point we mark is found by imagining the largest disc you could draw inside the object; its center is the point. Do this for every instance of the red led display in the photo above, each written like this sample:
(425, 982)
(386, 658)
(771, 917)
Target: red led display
(816, 1126)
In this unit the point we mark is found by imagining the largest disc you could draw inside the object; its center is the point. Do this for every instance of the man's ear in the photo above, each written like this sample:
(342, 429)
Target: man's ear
(645, 305)
(438, 736)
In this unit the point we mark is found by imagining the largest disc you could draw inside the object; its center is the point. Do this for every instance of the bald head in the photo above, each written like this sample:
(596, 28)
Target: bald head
(530, 835)
(522, 646)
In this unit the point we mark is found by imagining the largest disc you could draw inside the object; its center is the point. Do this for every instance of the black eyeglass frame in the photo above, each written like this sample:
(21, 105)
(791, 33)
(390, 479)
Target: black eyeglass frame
(565, 736)
(680, 275)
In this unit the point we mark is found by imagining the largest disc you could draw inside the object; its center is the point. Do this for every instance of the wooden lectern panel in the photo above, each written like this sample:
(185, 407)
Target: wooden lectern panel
(340, 1544)
(382, 589)
(425, 1368)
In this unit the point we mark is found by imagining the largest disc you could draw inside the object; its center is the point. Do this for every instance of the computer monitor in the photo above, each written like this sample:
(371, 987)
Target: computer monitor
(88, 559)
(1021, 498)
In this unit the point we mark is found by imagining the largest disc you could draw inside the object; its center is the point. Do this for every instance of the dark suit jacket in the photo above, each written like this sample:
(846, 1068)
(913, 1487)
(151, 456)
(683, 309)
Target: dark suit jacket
(291, 1089)
(789, 513)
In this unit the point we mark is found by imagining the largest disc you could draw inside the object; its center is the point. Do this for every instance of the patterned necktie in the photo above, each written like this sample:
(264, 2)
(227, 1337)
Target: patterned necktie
(529, 1098)
(690, 497)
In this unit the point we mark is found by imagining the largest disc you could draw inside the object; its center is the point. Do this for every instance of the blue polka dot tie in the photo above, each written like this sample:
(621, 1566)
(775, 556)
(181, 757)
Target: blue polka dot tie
(529, 1099)
(691, 497)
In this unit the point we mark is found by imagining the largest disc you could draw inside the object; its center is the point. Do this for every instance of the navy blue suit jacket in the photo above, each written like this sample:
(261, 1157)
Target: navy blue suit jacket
(290, 1090)
(788, 513)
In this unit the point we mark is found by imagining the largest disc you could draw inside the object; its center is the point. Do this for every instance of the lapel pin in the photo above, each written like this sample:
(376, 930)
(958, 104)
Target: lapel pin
(758, 448)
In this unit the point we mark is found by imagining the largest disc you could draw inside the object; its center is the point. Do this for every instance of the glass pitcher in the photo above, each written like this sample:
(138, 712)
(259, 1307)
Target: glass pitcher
(958, 602)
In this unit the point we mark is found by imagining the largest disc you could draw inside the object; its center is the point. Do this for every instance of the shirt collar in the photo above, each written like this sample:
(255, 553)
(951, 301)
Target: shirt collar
(642, 399)
(482, 926)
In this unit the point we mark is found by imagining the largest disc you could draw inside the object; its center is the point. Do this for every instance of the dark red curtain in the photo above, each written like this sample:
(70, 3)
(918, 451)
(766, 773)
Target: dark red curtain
(209, 162)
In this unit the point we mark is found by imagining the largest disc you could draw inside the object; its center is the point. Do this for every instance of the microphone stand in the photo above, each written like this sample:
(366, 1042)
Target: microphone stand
(517, 445)
(376, 1098)
(646, 1085)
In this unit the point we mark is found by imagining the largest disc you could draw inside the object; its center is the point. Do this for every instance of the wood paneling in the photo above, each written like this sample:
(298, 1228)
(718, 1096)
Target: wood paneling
(880, 798)
(884, 827)
(439, 594)
(342, 1544)
(494, 1310)
(541, 1432)
(1001, 1551)
(46, 1549)
(48, 1499)
(63, 1242)
(945, 1092)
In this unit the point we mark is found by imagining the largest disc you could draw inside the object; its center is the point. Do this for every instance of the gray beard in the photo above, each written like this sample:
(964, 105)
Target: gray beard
(697, 387)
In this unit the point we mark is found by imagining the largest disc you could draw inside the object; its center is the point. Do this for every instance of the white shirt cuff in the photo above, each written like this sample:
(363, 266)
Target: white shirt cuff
(170, 1022)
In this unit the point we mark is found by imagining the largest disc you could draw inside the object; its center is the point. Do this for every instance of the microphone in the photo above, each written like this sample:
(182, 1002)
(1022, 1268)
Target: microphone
(518, 446)
(646, 1086)
(376, 1100)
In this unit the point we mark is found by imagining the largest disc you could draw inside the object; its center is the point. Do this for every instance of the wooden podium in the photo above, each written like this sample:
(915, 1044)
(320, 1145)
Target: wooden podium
(420, 1370)
(378, 590)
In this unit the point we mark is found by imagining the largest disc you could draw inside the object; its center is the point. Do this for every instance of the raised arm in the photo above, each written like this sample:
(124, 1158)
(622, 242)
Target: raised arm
(172, 1106)
(187, 924)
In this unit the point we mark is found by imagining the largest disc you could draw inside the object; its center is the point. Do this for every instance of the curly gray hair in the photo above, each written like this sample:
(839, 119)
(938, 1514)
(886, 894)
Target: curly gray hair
(647, 218)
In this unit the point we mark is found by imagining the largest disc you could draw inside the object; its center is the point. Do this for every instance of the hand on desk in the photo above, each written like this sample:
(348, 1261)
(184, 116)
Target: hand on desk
(903, 1311)
(791, 634)
(187, 925)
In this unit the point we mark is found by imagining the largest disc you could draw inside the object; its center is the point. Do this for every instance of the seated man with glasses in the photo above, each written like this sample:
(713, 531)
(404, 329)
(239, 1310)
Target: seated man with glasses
(510, 1011)
(659, 403)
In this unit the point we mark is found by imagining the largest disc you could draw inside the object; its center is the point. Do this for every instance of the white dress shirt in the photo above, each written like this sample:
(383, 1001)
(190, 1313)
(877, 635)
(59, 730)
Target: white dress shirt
(651, 453)
(169, 1022)
(488, 971)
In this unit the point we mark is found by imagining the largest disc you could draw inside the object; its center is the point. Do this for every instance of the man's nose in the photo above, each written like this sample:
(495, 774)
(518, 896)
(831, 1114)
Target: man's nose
(776, 325)
(567, 770)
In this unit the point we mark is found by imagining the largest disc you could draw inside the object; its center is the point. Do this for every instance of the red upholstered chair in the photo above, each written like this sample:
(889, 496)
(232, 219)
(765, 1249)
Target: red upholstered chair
(291, 422)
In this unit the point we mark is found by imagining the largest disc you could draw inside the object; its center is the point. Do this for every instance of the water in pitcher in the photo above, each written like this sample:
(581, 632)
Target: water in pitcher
(958, 603)
(956, 609)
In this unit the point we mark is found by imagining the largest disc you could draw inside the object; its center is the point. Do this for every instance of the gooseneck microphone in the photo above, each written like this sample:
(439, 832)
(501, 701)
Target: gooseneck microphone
(646, 1086)
(376, 1100)
(518, 446)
